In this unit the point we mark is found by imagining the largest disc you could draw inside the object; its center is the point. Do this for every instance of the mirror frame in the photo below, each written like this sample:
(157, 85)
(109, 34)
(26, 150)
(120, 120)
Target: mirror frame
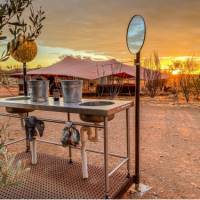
(128, 32)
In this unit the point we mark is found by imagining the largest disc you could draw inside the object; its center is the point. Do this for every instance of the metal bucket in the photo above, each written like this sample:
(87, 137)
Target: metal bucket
(38, 90)
(72, 91)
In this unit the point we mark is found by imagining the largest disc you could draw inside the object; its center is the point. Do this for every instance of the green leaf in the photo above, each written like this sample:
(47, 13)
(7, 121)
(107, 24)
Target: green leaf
(3, 37)
(11, 31)
(4, 59)
(16, 24)
(42, 19)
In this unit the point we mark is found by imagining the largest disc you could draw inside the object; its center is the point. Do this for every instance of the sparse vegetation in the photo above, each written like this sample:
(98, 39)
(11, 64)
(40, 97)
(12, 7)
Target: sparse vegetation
(11, 171)
(187, 83)
(152, 75)
(196, 85)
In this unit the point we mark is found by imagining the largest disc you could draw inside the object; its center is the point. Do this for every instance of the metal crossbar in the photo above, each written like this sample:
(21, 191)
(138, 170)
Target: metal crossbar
(78, 148)
(14, 142)
(118, 166)
(55, 121)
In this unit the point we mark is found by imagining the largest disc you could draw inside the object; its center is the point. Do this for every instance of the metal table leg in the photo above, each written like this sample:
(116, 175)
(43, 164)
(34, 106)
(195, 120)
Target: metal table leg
(106, 173)
(128, 140)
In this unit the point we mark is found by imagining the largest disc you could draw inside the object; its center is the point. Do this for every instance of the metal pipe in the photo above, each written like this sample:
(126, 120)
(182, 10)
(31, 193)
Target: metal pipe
(84, 133)
(118, 166)
(49, 142)
(16, 141)
(137, 121)
(106, 177)
(78, 148)
(128, 139)
(28, 145)
(56, 121)
(68, 116)
(25, 79)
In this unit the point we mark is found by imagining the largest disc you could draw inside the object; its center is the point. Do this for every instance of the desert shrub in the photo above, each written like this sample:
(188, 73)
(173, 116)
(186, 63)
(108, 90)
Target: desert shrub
(11, 171)
(186, 86)
(196, 86)
(4, 78)
(188, 81)
(152, 75)
(115, 83)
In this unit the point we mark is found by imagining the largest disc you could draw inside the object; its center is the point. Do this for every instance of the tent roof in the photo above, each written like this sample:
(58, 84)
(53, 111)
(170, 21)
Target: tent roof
(85, 69)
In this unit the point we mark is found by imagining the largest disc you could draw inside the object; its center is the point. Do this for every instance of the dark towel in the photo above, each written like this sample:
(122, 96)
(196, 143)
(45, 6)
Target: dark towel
(33, 126)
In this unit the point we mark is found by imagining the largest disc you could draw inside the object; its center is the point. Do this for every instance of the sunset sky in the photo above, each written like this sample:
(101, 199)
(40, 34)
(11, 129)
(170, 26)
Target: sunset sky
(97, 28)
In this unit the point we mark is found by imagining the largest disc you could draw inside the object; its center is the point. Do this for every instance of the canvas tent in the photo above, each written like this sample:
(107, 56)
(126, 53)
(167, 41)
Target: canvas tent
(94, 73)
(84, 69)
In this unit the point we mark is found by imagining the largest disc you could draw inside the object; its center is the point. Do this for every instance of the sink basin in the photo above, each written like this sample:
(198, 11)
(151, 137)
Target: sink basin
(17, 98)
(18, 110)
(95, 118)
(97, 103)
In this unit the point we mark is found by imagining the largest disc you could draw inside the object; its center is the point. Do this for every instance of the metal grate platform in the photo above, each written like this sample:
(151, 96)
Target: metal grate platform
(54, 178)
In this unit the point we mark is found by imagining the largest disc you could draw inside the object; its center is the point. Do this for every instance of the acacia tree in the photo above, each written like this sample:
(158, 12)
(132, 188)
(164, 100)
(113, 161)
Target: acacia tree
(152, 75)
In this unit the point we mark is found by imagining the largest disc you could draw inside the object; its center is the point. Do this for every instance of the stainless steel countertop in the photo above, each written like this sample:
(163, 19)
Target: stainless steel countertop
(107, 110)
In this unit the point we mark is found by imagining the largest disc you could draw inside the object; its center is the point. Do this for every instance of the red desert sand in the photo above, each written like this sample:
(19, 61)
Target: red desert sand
(170, 150)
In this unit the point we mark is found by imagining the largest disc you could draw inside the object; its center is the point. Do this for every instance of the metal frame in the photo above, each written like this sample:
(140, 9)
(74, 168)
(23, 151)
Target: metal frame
(16, 141)
(105, 152)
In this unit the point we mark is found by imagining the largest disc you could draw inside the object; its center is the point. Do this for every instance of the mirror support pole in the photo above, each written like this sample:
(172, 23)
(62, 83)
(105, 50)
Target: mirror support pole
(137, 121)
(25, 79)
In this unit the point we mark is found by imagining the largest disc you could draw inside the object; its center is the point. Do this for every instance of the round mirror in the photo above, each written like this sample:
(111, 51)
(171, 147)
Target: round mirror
(136, 34)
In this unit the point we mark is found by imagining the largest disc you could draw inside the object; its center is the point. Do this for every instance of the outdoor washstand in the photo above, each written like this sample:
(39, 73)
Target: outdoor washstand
(63, 181)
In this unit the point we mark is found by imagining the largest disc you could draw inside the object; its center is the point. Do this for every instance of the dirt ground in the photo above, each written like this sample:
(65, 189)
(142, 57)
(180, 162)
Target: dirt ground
(170, 146)
(170, 161)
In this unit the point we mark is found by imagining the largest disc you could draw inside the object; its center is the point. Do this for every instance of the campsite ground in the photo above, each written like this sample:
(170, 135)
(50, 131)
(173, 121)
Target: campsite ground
(170, 150)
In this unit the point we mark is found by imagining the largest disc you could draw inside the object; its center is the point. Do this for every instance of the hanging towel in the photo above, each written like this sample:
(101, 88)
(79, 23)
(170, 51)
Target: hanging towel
(33, 127)
(70, 135)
